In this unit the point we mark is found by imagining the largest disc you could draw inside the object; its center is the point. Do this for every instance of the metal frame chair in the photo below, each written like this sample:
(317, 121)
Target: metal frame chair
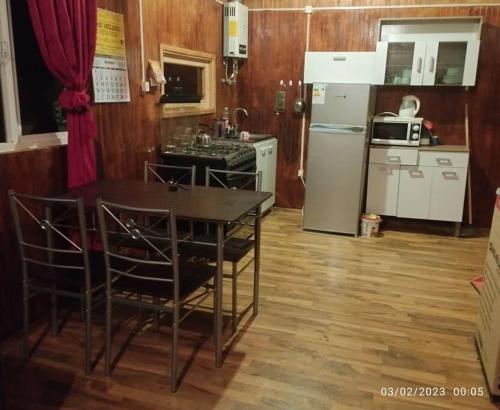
(149, 276)
(152, 168)
(55, 257)
(235, 248)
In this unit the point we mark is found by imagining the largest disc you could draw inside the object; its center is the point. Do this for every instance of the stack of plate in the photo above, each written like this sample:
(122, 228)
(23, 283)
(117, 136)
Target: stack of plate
(453, 75)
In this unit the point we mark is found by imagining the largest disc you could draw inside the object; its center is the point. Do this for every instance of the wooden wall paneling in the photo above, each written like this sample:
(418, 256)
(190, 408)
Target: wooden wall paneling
(276, 52)
(281, 4)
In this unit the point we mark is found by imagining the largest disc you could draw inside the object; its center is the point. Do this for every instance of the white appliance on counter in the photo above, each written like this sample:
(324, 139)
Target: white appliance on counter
(392, 130)
(337, 154)
(488, 331)
(339, 67)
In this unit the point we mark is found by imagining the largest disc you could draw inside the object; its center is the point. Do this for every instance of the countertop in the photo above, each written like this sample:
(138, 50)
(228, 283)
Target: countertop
(438, 148)
(448, 148)
(253, 138)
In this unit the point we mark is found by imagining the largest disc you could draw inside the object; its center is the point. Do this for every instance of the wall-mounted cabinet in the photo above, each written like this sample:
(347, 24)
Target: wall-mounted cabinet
(428, 51)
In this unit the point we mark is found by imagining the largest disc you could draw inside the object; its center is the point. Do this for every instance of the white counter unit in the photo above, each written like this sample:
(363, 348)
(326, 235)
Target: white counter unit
(267, 152)
(417, 183)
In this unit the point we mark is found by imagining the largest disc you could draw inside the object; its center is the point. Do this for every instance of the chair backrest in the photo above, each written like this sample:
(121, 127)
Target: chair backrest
(155, 248)
(233, 179)
(169, 173)
(51, 233)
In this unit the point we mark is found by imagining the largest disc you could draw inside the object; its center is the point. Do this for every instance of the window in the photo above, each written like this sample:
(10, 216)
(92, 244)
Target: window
(30, 116)
(190, 87)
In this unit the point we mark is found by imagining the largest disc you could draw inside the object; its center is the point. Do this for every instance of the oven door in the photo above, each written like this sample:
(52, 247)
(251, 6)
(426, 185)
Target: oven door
(390, 133)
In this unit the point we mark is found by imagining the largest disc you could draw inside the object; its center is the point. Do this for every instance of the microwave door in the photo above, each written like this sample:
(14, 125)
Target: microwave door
(390, 133)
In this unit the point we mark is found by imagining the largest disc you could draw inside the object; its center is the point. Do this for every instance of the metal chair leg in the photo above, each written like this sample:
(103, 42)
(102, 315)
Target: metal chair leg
(88, 332)
(139, 313)
(156, 315)
(107, 354)
(26, 325)
(173, 360)
(82, 306)
(235, 297)
(53, 311)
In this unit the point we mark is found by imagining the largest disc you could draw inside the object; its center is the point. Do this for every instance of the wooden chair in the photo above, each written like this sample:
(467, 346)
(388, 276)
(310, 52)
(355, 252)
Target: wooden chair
(52, 238)
(149, 275)
(235, 248)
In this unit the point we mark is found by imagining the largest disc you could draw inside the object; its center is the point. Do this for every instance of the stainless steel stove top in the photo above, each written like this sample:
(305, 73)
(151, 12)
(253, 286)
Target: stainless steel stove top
(216, 150)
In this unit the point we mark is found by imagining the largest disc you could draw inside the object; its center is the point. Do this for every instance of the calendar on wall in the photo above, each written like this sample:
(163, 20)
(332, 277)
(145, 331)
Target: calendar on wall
(109, 72)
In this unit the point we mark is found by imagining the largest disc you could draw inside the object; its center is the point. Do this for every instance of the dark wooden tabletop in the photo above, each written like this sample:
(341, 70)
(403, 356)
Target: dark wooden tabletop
(198, 202)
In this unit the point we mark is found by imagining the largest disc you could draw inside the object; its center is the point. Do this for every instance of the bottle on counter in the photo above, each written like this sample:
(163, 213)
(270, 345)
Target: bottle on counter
(225, 121)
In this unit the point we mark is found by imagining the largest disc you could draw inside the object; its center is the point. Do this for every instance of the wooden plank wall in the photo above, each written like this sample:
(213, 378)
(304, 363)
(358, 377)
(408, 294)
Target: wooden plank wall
(277, 44)
(127, 133)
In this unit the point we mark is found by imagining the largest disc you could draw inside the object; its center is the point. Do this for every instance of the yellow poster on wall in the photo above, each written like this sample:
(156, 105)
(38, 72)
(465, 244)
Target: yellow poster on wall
(110, 34)
(109, 72)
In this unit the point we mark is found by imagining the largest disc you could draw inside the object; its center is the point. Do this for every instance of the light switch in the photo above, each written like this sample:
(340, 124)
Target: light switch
(279, 105)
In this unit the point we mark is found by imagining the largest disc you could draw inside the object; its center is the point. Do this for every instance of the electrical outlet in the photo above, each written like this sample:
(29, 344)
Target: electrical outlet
(145, 87)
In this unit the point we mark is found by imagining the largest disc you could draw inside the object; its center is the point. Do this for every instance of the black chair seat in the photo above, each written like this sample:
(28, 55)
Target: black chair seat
(126, 241)
(72, 276)
(191, 277)
(234, 249)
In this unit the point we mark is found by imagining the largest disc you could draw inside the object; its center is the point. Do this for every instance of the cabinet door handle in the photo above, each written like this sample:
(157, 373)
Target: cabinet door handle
(416, 173)
(419, 65)
(433, 64)
(449, 175)
(443, 161)
(269, 150)
(264, 153)
(394, 159)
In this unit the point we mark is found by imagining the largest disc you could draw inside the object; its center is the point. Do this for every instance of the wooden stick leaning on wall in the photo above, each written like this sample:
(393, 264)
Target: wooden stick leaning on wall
(469, 178)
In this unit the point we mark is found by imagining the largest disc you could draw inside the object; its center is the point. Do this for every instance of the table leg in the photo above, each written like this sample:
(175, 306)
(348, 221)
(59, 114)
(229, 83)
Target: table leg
(458, 229)
(256, 271)
(218, 295)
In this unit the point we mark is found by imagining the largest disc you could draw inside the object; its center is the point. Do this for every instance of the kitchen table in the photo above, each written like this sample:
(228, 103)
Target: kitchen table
(208, 204)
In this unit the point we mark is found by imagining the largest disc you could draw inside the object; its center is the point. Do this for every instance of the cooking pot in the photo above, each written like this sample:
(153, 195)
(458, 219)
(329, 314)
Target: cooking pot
(202, 137)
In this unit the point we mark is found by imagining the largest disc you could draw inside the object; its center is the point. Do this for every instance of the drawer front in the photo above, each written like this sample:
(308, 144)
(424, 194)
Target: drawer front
(393, 156)
(443, 159)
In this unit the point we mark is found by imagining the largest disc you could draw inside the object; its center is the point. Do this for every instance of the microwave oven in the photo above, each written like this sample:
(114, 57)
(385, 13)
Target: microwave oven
(404, 131)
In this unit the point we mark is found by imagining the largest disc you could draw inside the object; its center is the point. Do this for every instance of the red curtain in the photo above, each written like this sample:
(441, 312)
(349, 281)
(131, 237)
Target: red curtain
(66, 34)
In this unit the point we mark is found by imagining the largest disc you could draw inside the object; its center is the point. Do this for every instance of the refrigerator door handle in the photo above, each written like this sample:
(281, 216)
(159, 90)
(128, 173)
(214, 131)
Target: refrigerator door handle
(333, 129)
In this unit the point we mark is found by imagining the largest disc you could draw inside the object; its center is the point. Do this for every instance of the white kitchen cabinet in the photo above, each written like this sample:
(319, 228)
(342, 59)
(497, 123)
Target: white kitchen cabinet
(433, 188)
(382, 191)
(448, 190)
(428, 51)
(266, 152)
(414, 192)
(431, 62)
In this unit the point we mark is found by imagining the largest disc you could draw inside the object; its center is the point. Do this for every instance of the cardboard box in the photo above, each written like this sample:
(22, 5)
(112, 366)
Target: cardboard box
(488, 323)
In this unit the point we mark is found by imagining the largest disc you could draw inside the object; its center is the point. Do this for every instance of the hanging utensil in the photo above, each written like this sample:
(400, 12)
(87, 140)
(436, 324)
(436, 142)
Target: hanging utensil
(299, 105)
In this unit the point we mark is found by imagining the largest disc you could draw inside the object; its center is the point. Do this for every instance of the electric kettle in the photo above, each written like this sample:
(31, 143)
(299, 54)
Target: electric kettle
(410, 105)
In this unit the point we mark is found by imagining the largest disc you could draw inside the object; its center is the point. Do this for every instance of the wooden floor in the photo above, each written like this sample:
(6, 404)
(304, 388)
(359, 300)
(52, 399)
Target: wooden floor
(340, 319)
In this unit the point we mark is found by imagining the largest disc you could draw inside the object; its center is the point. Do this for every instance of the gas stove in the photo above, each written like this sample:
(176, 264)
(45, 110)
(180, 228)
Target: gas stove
(224, 155)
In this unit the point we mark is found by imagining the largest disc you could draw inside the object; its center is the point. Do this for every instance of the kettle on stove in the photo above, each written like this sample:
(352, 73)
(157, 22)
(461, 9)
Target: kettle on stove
(410, 105)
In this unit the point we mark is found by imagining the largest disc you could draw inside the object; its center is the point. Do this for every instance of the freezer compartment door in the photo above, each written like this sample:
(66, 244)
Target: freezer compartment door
(334, 183)
(347, 104)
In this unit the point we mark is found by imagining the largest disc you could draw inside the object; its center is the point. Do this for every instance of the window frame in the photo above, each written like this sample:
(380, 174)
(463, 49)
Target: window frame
(15, 140)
